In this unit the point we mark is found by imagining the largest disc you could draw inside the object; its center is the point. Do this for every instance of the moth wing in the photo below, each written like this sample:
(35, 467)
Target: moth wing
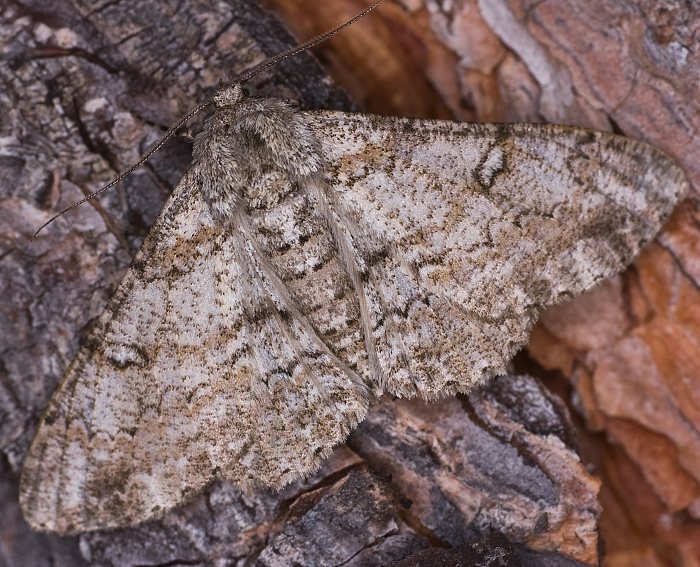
(195, 370)
(463, 233)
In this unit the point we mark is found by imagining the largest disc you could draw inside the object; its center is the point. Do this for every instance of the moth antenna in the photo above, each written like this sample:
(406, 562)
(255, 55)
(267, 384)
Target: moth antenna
(304, 46)
(196, 110)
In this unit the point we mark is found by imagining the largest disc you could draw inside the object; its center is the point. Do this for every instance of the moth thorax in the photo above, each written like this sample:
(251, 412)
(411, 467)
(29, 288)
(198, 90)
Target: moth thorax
(253, 153)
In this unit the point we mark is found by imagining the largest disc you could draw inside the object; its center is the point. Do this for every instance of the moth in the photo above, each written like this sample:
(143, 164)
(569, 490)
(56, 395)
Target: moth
(310, 260)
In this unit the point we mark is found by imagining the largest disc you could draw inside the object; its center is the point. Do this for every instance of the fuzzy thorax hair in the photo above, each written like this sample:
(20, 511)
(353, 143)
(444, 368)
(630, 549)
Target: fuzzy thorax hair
(250, 143)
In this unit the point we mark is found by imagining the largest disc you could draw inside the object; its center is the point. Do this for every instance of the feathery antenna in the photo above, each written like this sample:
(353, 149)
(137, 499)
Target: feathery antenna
(197, 109)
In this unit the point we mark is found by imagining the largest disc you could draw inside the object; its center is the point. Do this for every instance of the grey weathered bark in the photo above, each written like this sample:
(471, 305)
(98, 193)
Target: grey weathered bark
(86, 88)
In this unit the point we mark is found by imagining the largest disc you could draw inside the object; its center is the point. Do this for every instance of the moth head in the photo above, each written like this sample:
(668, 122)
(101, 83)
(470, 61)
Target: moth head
(231, 95)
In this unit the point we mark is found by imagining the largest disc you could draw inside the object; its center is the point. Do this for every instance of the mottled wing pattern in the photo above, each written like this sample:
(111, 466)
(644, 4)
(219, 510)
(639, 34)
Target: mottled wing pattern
(199, 367)
(308, 258)
(464, 233)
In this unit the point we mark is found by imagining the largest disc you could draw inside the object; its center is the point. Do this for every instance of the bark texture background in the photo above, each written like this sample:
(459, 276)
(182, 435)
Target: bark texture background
(88, 85)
